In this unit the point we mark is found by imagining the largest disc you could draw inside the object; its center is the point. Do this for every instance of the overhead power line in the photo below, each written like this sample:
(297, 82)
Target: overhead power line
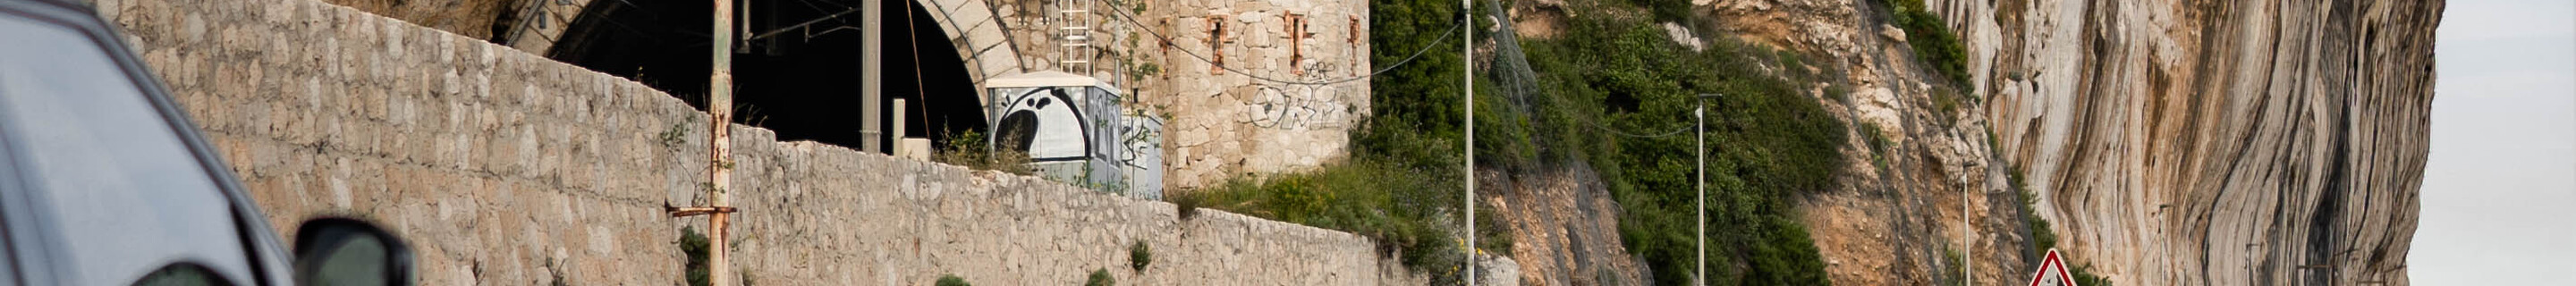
(1597, 125)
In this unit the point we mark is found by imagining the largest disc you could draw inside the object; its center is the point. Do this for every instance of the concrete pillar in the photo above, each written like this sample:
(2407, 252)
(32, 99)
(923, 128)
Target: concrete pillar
(872, 76)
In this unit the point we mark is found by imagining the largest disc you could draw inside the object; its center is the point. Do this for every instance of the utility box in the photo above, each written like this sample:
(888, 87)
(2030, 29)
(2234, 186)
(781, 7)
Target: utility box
(1142, 135)
(1073, 129)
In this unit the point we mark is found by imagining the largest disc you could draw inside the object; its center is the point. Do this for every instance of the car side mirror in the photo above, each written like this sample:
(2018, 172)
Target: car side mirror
(340, 251)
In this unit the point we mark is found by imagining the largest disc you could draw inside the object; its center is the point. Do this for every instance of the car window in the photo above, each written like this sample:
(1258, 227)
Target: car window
(181, 275)
(114, 187)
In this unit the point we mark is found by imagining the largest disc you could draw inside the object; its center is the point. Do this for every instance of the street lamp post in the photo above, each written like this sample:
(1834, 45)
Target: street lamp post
(1467, 50)
(1700, 114)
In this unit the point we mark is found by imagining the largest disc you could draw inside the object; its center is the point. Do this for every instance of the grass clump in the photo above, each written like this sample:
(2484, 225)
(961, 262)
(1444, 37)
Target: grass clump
(969, 149)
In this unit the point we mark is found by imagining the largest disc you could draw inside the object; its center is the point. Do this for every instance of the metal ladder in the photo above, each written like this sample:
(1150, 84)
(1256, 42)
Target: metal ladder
(1073, 30)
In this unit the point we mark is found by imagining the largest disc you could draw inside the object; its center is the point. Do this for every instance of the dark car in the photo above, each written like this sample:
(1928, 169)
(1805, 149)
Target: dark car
(104, 182)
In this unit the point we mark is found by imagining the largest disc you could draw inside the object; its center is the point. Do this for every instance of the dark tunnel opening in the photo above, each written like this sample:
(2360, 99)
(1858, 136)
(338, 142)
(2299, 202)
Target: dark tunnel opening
(802, 81)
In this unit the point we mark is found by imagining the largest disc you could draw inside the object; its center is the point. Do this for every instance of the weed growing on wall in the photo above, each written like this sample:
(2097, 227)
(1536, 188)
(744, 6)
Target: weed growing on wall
(1100, 277)
(1139, 255)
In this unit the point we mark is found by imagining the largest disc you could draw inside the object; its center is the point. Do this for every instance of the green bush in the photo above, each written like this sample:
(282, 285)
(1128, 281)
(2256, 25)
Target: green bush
(969, 149)
(1408, 211)
(1932, 40)
(694, 245)
(1786, 257)
(1612, 69)
(2084, 276)
(1768, 143)
(951, 280)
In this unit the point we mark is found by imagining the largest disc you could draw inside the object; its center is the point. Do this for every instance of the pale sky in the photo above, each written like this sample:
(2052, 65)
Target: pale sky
(2499, 196)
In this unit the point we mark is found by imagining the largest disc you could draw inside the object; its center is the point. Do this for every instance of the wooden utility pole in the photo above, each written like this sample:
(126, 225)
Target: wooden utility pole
(719, 150)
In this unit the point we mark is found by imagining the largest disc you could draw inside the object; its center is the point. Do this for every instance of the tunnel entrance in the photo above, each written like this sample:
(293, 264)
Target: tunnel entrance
(797, 69)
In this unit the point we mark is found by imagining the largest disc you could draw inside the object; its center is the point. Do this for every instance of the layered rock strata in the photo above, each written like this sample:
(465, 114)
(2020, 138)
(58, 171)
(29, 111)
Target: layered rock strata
(2214, 142)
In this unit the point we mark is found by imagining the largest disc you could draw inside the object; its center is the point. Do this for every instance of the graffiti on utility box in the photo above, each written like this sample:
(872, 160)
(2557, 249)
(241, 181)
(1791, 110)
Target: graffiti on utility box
(1074, 131)
(1045, 123)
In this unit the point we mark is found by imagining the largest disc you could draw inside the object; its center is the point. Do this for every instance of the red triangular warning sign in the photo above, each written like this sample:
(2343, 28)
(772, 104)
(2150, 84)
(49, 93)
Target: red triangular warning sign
(2052, 272)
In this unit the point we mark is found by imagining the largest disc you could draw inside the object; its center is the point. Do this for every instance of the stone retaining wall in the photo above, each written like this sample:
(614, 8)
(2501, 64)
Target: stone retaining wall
(507, 168)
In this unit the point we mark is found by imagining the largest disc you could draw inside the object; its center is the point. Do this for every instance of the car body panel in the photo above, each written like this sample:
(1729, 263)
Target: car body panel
(41, 233)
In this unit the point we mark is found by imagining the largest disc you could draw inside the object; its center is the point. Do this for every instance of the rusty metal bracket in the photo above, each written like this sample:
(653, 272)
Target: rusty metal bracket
(678, 211)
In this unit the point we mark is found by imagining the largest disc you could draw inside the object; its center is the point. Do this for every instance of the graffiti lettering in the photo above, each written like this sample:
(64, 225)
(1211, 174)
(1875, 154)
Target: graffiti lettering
(1273, 107)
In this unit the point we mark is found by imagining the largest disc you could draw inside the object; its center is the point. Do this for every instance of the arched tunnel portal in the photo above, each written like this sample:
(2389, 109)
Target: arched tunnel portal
(797, 69)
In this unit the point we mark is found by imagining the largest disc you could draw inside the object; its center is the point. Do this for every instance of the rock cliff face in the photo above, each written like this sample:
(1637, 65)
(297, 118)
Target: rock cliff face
(1565, 226)
(2170, 142)
(2214, 142)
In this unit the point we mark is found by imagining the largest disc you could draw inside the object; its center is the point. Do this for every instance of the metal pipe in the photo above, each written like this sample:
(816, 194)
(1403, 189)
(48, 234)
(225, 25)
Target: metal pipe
(720, 150)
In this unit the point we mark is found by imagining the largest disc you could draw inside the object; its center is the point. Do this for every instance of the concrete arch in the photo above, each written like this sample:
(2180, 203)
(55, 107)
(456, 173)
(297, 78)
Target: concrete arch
(980, 38)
